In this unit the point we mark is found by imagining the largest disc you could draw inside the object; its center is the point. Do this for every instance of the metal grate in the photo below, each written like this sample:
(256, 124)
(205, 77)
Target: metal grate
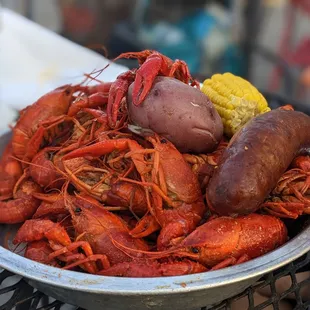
(293, 294)
(17, 294)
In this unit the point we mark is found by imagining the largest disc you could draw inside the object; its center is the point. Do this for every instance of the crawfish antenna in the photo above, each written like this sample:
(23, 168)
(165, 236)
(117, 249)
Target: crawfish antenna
(139, 253)
(99, 47)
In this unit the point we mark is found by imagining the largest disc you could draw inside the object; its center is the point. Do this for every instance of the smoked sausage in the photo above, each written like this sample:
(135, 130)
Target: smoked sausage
(255, 159)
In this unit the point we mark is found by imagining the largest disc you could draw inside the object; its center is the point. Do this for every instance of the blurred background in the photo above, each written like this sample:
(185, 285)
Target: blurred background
(265, 41)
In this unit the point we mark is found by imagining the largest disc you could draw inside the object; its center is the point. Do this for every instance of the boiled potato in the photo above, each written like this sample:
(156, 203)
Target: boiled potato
(180, 113)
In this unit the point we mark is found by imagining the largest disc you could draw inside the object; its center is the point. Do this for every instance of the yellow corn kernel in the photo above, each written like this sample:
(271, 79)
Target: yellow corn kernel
(235, 99)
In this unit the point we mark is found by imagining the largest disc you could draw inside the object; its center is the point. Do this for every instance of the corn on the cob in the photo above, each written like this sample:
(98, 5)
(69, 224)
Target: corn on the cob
(235, 99)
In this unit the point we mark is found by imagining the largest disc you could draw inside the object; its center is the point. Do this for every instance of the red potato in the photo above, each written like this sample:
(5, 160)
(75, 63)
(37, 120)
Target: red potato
(180, 113)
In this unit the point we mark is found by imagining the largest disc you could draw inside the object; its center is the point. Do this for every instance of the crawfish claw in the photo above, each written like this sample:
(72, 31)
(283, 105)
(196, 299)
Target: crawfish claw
(145, 77)
(117, 92)
(145, 227)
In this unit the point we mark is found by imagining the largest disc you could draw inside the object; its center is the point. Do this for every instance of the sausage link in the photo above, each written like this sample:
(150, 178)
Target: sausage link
(255, 159)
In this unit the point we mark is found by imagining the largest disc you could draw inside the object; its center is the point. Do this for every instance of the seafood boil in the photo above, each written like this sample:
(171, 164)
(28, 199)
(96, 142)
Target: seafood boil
(153, 176)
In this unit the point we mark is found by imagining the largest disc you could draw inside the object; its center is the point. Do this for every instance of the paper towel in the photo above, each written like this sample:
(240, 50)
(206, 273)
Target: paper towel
(35, 60)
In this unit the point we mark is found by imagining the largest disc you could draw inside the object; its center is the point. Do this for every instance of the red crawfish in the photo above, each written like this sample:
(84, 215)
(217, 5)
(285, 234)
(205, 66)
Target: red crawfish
(152, 64)
(94, 228)
(291, 197)
(225, 241)
(175, 206)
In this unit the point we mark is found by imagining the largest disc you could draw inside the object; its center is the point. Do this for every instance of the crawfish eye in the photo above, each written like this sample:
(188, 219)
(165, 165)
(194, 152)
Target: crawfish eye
(50, 156)
(163, 141)
(78, 210)
(68, 91)
(195, 250)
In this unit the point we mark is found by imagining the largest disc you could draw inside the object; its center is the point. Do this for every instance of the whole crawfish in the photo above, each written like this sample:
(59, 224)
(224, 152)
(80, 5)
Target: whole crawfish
(152, 64)
(39, 121)
(174, 205)
(225, 241)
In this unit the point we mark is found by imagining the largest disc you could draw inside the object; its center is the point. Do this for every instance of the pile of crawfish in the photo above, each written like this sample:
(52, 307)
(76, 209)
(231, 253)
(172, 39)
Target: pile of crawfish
(93, 196)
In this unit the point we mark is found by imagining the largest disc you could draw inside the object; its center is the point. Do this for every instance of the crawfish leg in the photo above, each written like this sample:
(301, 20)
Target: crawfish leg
(145, 227)
(90, 257)
(93, 258)
(39, 252)
(66, 256)
(284, 209)
(225, 263)
(242, 259)
(180, 66)
(171, 235)
(93, 101)
(73, 246)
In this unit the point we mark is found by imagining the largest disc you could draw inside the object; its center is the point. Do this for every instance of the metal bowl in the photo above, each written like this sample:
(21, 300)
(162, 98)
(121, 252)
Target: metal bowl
(182, 292)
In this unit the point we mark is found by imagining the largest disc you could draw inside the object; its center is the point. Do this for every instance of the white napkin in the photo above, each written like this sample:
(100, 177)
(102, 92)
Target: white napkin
(34, 60)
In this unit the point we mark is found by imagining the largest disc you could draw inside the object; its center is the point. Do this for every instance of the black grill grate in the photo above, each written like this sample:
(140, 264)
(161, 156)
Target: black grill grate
(288, 274)
(24, 297)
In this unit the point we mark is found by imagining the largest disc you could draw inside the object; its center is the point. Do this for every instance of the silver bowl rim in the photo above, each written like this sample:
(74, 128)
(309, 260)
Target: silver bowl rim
(79, 281)
(96, 284)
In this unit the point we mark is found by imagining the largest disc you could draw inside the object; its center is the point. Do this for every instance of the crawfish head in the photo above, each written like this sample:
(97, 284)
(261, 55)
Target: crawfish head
(213, 241)
(225, 237)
